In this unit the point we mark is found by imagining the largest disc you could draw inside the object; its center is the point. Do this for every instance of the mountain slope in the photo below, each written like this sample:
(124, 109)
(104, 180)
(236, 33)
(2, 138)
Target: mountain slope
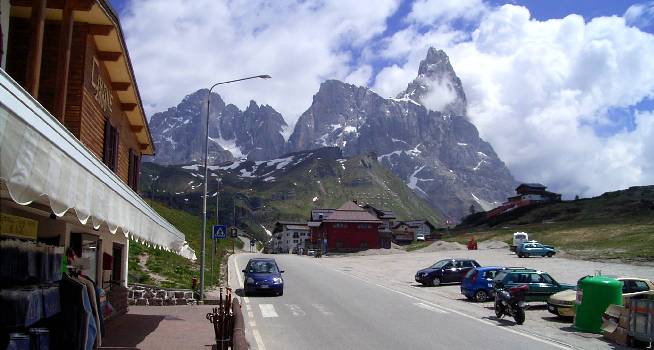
(285, 188)
(615, 225)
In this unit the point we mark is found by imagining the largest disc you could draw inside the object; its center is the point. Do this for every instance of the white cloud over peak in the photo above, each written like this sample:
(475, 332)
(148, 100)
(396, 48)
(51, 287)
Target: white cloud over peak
(178, 47)
(640, 15)
(438, 11)
(537, 90)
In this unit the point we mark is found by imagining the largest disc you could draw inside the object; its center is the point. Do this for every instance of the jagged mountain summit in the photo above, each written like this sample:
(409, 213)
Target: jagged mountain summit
(254, 134)
(438, 153)
(437, 87)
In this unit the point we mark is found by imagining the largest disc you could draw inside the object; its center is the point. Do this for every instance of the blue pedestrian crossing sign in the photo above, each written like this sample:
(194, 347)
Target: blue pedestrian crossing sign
(219, 231)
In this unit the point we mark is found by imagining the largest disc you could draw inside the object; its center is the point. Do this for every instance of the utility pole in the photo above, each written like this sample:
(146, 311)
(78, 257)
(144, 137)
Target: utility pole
(234, 219)
(213, 240)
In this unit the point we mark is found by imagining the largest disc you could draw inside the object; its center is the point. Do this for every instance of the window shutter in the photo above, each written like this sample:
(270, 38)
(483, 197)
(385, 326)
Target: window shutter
(137, 173)
(116, 152)
(106, 143)
(130, 171)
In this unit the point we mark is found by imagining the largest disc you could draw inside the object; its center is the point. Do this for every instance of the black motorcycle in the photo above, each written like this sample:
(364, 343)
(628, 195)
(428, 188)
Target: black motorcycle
(511, 302)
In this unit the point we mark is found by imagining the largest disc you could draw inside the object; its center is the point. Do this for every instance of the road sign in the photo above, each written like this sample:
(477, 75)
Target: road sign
(252, 243)
(219, 231)
(234, 232)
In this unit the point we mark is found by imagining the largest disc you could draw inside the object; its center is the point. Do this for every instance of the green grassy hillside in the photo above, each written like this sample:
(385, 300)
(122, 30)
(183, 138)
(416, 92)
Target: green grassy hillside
(259, 193)
(168, 269)
(615, 225)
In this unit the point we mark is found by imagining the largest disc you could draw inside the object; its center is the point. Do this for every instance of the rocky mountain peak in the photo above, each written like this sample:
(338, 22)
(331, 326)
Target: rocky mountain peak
(437, 87)
(254, 134)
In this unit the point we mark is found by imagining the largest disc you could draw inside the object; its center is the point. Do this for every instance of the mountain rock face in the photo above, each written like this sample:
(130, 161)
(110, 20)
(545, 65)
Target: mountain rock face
(178, 133)
(438, 153)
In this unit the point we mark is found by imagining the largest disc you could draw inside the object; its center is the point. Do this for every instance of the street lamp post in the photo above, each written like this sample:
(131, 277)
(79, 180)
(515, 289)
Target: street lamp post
(206, 173)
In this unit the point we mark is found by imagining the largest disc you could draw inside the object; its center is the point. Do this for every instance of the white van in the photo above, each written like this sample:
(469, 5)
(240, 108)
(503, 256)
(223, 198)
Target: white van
(519, 238)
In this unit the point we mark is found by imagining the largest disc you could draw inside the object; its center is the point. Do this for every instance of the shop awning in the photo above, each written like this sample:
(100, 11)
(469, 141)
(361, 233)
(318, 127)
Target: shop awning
(40, 157)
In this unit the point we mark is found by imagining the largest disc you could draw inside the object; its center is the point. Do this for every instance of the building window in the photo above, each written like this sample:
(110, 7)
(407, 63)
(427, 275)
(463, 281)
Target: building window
(296, 235)
(295, 241)
(110, 148)
(363, 226)
(340, 225)
(134, 170)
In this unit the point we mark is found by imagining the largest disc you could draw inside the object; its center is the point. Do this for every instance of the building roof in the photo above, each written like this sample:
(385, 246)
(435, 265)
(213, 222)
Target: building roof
(382, 214)
(414, 223)
(101, 14)
(351, 212)
(298, 227)
(532, 185)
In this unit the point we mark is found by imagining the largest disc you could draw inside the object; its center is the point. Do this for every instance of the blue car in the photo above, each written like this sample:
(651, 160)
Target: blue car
(477, 284)
(263, 275)
(528, 249)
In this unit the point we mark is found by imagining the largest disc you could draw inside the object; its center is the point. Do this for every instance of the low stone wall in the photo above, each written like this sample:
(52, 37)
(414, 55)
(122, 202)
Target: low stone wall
(144, 295)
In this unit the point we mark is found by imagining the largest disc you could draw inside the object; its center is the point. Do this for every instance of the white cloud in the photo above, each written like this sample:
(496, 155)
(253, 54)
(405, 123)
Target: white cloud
(178, 47)
(439, 11)
(441, 93)
(536, 90)
(640, 15)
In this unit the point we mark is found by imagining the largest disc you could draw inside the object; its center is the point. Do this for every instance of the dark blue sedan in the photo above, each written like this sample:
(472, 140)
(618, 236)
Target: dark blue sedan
(263, 275)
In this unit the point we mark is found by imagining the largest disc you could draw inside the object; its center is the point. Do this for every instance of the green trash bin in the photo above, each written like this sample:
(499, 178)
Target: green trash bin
(594, 295)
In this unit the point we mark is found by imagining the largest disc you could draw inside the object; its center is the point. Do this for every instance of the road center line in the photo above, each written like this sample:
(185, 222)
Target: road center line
(536, 337)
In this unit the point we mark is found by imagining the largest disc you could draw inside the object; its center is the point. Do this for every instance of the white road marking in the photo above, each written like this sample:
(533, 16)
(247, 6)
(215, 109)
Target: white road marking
(258, 340)
(268, 310)
(253, 323)
(429, 307)
(323, 310)
(533, 336)
(240, 280)
(296, 310)
(250, 314)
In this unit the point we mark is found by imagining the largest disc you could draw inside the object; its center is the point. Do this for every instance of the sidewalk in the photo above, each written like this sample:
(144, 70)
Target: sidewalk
(161, 327)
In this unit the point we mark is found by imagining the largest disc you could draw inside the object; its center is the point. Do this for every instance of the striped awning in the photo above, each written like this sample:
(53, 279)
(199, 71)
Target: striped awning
(40, 157)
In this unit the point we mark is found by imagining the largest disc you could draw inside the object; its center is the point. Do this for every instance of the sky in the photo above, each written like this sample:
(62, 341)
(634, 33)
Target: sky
(562, 90)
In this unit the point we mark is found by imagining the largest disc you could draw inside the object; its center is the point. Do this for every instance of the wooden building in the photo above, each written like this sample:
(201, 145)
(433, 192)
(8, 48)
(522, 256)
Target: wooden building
(72, 134)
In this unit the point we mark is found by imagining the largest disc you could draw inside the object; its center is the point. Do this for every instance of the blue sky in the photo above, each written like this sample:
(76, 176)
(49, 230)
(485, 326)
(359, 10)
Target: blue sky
(563, 90)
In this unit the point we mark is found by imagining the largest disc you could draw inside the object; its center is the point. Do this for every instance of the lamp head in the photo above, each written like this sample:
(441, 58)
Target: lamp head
(264, 76)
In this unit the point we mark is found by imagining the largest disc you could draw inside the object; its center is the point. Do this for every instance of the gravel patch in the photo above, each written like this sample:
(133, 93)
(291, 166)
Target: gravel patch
(490, 244)
(440, 246)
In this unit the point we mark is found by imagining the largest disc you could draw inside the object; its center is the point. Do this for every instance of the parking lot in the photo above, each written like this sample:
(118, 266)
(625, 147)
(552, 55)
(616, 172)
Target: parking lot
(397, 271)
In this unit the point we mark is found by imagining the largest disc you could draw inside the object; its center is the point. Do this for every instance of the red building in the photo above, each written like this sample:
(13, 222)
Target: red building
(347, 229)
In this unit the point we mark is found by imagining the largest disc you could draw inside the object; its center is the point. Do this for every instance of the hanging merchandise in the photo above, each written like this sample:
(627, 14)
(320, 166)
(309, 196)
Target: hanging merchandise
(24, 262)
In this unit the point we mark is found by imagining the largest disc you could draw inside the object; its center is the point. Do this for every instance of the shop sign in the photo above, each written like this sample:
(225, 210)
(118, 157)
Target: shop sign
(17, 226)
(102, 92)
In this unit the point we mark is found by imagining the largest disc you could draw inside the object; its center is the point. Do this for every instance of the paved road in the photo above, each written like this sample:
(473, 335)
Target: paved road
(323, 308)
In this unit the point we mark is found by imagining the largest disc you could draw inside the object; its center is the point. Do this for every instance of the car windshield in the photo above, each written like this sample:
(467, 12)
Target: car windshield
(262, 267)
(439, 264)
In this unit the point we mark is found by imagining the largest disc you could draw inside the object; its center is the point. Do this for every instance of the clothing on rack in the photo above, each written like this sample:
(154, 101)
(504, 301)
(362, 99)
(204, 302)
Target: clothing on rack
(26, 262)
(93, 298)
(81, 330)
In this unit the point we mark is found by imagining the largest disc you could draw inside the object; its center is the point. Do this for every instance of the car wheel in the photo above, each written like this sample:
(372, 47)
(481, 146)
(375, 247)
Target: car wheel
(436, 282)
(481, 296)
(281, 292)
(550, 254)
